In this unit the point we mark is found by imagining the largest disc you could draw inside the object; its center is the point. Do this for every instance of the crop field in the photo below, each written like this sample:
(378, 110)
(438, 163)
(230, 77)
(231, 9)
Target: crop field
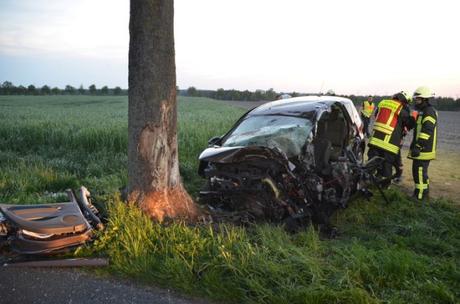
(403, 252)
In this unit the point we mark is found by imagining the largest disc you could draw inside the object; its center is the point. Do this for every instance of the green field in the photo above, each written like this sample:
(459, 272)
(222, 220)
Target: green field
(398, 253)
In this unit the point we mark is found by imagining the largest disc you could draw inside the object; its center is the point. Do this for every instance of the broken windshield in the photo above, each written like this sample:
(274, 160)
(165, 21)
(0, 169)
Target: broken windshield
(288, 133)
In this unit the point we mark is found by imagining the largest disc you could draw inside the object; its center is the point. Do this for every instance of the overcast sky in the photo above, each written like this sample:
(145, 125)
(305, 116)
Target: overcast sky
(352, 47)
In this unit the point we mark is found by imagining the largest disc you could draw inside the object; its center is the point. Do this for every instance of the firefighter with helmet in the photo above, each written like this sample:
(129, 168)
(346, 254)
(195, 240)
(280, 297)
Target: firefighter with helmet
(367, 110)
(423, 146)
(392, 117)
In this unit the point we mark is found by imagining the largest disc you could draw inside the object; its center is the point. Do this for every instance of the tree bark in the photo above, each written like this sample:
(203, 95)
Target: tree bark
(154, 182)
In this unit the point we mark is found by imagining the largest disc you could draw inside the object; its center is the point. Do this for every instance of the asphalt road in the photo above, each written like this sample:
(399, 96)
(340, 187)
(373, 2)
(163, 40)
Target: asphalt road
(72, 286)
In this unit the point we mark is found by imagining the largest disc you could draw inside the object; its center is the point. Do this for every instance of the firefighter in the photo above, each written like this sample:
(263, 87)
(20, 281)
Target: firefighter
(366, 113)
(392, 117)
(423, 146)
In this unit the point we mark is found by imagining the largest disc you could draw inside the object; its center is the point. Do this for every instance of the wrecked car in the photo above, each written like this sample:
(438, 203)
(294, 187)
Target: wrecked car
(49, 228)
(295, 160)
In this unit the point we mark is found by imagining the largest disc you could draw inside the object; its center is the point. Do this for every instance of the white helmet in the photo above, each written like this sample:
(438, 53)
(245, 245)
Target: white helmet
(423, 92)
(330, 93)
(403, 96)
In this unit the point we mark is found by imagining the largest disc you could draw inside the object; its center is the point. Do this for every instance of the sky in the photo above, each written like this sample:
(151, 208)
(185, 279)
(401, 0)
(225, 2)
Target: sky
(352, 47)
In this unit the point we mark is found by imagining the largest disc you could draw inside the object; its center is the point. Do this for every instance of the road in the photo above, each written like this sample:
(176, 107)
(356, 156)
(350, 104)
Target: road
(73, 286)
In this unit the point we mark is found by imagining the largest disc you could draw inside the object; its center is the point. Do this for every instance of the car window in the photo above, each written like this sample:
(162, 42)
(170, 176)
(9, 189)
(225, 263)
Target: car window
(287, 133)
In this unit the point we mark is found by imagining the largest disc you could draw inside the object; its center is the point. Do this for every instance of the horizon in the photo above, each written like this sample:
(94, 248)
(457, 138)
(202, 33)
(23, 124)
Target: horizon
(353, 48)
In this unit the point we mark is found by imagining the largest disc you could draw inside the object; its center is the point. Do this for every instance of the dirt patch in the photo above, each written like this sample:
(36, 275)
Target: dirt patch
(444, 176)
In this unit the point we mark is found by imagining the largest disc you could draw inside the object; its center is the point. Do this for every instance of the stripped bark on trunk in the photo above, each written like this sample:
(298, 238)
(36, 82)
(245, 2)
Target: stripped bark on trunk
(154, 182)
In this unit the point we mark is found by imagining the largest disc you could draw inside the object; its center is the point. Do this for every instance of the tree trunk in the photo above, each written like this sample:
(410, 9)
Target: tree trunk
(153, 170)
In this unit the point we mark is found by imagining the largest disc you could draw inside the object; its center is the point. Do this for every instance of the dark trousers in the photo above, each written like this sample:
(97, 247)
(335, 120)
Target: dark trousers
(385, 170)
(398, 165)
(366, 121)
(421, 180)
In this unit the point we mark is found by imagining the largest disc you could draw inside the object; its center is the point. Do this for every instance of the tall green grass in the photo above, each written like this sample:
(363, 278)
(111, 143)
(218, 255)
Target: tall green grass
(48, 143)
(398, 253)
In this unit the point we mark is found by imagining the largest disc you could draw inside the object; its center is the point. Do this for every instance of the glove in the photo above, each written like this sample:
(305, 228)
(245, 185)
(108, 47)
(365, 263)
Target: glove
(415, 151)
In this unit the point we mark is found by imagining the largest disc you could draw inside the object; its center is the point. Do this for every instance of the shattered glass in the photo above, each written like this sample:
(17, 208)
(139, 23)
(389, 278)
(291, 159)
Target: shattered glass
(286, 133)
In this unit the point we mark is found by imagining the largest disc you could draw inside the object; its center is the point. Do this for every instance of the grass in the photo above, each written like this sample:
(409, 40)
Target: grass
(398, 253)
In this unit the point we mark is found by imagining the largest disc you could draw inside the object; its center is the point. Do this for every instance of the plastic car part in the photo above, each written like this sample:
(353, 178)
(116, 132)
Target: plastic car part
(44, 229)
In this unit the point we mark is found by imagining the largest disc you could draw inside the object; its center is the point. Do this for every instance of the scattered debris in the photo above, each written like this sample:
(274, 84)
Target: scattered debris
(49, 228)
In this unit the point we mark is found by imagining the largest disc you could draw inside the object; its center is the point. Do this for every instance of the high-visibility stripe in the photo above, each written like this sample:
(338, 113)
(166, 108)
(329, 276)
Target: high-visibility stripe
(418, 129)
(431, 154)
(383, 128)
(420, 184)
(426, 156)
(368, 108)
(424, 136)
(390, 104)
(384, 144)
(430, 119)
(386, 124)
(392, 115)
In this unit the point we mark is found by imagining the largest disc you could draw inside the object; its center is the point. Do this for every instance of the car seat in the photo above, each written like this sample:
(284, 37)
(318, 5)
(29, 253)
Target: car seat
(336, 133)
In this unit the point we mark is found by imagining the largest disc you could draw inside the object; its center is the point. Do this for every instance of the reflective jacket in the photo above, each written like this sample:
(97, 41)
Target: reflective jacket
(368, 108)
(425, 134)
(393, 117)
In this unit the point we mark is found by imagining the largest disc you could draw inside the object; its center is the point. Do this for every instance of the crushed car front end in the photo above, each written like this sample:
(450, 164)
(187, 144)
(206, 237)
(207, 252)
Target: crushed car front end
(275, 165)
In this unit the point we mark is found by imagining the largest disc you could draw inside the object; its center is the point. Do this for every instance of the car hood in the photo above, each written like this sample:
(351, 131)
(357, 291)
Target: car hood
(238, 154)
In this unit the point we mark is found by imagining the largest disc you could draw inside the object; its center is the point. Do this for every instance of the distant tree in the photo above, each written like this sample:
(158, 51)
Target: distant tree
(45, 90)
(105, 90)
(81, 90)
(117, 91)
(55, 91)
(191, 91)
(234, 95)
(70, 90)
(270, 94)
(31, 90)
(246, 95)
(21, 90)
(7, 88)
(259, 95)
(92, 89)
(220, 93)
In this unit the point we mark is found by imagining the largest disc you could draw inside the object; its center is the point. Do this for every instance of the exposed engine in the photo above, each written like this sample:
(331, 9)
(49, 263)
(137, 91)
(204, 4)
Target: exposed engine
(261, 184)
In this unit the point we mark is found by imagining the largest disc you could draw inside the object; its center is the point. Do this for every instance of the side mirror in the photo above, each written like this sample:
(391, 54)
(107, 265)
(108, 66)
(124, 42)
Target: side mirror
(214, 140)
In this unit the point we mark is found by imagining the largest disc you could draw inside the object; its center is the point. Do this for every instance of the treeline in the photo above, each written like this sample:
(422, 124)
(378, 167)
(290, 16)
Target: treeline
(233, 94)
(440, 103)
(8, 88)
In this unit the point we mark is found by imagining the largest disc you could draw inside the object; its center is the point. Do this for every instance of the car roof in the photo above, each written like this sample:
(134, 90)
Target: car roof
(303, 106)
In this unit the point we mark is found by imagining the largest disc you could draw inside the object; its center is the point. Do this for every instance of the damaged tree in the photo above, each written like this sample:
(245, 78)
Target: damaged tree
(153, 169)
